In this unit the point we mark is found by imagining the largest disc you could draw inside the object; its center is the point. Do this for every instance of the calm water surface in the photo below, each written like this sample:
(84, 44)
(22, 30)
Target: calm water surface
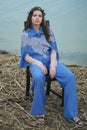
(68, 20)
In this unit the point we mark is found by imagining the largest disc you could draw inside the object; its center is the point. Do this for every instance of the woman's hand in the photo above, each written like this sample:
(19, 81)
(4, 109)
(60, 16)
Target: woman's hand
(42, 66)
(52, 71)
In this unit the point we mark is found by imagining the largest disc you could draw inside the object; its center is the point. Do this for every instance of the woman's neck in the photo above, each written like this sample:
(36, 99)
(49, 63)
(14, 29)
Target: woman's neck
(37, 28)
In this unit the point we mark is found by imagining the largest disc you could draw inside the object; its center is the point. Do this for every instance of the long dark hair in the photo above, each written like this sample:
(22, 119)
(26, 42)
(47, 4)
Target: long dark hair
(28, 23)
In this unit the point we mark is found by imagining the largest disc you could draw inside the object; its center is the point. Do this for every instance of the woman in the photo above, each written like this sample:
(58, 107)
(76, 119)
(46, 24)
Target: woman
(40, 53)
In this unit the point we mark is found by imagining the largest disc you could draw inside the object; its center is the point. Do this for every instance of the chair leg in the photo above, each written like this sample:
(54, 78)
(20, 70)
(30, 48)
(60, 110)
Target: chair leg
(48, 87)
(62, 96)
(27, 82)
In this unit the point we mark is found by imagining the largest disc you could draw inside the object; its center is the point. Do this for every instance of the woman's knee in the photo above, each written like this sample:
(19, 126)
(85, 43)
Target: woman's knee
(39, 76)
(36, 72)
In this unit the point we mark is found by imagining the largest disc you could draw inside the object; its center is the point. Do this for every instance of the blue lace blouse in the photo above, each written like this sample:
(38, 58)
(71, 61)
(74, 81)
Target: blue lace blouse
(36, 45)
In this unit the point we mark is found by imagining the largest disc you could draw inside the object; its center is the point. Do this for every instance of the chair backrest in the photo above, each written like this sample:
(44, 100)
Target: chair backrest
(48, 23)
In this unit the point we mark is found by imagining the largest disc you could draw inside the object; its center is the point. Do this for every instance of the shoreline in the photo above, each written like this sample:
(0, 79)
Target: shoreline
(14, 53)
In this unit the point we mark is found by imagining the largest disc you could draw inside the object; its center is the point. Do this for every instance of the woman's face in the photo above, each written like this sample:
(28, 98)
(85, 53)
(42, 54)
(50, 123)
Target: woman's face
(37, 18)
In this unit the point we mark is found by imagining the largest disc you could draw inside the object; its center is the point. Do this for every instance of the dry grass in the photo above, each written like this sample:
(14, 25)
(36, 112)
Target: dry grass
(14, 106)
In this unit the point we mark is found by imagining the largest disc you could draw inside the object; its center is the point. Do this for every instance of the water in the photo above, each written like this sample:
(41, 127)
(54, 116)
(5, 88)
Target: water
(68, 20)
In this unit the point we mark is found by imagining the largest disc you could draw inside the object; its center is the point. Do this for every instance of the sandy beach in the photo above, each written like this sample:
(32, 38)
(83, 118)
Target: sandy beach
(14, 105)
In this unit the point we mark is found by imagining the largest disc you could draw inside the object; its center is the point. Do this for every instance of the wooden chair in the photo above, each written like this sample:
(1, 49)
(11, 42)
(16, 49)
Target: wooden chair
(48, 80)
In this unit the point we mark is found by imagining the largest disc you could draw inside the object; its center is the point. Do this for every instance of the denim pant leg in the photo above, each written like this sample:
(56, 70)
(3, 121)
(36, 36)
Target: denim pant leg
(38, 83)
(67, 80)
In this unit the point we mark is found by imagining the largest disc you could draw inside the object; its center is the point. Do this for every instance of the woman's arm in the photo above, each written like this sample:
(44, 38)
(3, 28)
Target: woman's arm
(36, 62)
(53, 64)
(53, 58)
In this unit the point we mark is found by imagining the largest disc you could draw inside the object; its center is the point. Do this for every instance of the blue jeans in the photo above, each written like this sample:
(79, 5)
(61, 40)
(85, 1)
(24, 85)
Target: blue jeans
(67, 80)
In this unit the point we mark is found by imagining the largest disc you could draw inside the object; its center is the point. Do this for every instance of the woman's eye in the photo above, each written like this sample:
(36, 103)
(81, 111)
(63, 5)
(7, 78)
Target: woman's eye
(35, 15)
(40, 15)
